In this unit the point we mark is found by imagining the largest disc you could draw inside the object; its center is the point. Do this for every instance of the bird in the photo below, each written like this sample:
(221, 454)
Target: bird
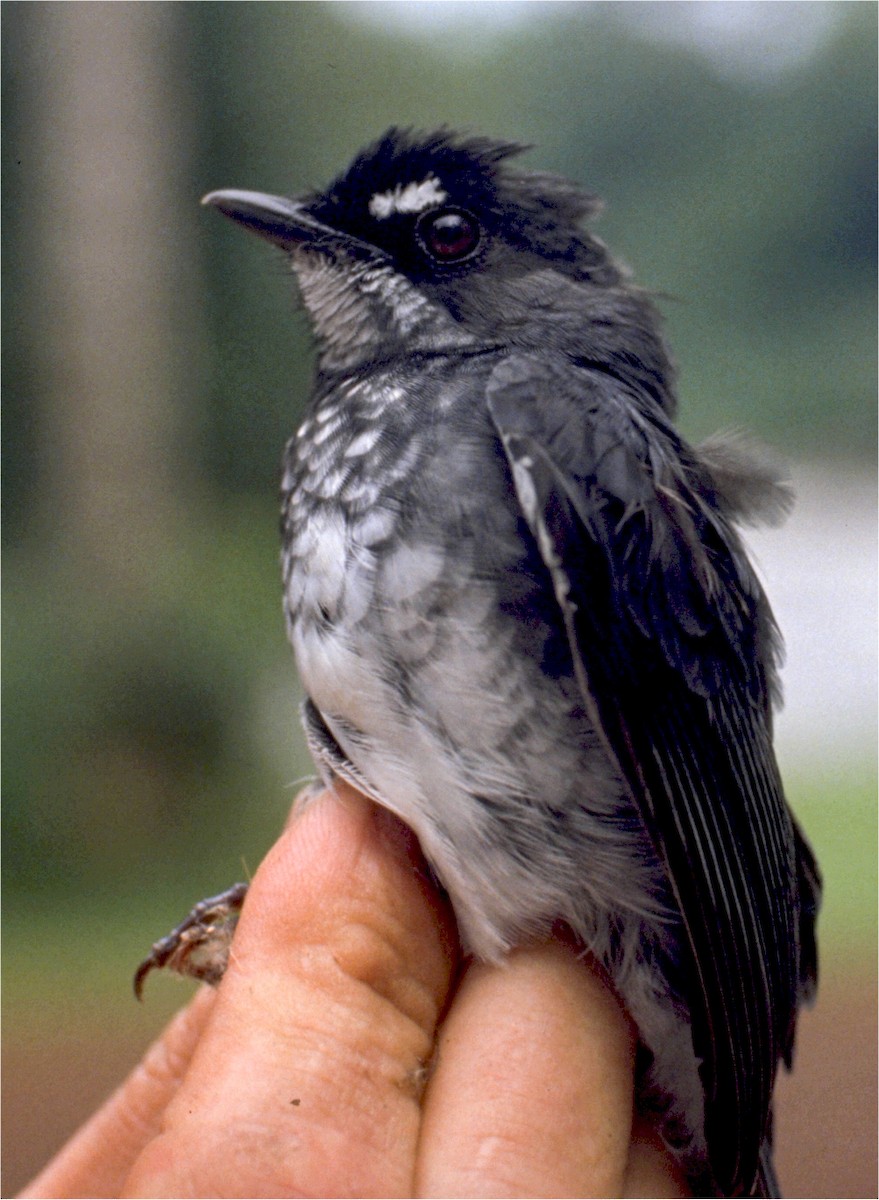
(525, 620)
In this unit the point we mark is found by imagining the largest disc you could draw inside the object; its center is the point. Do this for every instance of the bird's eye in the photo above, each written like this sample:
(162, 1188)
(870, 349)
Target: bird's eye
(448, 235)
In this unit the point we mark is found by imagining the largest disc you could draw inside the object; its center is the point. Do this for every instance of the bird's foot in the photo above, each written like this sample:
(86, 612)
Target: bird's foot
(199, 946)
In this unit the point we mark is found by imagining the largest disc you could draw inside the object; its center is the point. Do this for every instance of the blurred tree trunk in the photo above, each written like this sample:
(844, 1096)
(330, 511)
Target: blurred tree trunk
(112, 133)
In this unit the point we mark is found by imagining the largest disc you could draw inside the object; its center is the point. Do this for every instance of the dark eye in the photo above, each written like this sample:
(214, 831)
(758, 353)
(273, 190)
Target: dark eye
(448, 235)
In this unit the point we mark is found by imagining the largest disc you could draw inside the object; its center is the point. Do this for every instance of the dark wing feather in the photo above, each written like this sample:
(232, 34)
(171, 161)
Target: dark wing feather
(672, 644)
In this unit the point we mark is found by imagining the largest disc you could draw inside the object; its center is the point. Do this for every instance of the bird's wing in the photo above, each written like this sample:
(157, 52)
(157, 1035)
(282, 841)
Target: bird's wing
(671, 642)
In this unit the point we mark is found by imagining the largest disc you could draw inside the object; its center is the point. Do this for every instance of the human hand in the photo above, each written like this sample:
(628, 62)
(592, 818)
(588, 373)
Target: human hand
(345, 1053)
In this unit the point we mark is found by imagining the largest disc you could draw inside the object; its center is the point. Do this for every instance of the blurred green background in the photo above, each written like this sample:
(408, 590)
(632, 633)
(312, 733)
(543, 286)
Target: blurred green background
(155, 362)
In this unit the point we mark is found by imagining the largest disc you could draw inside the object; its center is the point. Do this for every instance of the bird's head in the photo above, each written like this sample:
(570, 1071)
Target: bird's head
(432, 242)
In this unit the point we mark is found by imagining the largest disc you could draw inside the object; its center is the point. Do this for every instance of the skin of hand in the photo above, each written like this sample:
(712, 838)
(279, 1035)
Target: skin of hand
(350, 1052)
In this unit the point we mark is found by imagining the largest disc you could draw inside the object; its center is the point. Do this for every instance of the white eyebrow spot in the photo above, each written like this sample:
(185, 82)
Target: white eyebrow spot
(407, 198)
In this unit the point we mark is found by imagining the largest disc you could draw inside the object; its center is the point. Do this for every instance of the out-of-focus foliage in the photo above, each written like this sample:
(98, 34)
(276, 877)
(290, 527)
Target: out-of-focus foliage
(150, 716)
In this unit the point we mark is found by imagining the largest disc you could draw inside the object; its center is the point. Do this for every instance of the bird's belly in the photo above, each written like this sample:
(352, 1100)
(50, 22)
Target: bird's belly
(419, 674)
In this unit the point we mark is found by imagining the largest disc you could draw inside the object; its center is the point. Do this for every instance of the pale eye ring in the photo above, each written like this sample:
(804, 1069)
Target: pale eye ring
(449, 235)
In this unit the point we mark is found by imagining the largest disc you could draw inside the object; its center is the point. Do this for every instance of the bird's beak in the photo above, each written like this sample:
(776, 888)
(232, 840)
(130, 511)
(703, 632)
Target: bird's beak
(283, 222)
(288, 224)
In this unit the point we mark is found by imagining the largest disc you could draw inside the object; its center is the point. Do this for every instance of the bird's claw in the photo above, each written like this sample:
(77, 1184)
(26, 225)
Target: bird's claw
(199, 945)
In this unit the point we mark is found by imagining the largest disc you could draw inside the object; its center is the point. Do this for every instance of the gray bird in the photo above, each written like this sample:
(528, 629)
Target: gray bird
(526, 624)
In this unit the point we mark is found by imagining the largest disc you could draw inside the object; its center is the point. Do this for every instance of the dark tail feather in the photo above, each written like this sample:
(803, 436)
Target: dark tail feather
(809, 882)
(766, 1186)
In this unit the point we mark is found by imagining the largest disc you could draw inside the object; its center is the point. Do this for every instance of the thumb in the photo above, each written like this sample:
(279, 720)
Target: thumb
(305, 1080)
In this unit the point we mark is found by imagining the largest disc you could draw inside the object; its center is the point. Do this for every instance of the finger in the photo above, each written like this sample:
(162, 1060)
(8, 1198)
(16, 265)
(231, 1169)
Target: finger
(306, 1081)
(96, 1161)
(533, 1087)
